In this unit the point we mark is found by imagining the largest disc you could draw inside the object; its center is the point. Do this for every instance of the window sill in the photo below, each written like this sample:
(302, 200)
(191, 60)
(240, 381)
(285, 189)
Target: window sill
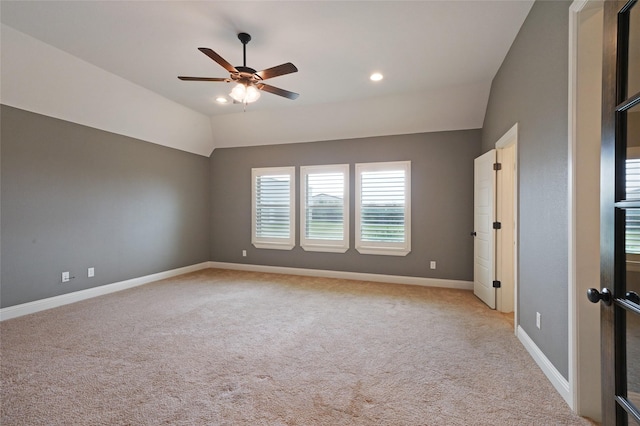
(633, 266)
(384, 251)
(274, 246)
(324, 248)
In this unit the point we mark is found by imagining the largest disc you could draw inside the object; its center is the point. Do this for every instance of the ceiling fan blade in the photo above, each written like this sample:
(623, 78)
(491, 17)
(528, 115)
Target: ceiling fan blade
(278, 91)
(276, 71)
(213, 55)
(203, 79)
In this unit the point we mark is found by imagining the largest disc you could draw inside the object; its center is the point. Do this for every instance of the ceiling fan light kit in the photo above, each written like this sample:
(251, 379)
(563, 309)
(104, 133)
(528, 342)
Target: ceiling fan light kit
(245, 94)
(249, 81)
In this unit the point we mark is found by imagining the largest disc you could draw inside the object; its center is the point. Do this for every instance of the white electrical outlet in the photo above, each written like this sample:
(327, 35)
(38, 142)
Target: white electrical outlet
(433, 264)
(91, 272)
(538, 320)
(244, 253)
(65, 277)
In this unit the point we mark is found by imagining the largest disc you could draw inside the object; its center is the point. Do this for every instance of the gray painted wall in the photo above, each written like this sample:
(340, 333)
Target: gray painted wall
(531, 88)
(442, 202)
(74, 197)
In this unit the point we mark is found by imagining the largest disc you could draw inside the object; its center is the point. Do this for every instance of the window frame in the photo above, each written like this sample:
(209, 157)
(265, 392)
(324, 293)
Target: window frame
(324, 245)
(274, 242)
(382, 247)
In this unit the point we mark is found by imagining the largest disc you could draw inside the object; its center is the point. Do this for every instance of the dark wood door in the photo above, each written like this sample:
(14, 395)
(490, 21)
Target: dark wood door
(620, 213)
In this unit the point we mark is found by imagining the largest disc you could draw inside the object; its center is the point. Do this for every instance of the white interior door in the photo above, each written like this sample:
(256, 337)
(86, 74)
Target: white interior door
(484, 205)
(505, 238)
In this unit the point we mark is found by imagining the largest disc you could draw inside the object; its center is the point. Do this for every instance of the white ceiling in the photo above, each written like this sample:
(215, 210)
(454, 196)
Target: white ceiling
(421, 47)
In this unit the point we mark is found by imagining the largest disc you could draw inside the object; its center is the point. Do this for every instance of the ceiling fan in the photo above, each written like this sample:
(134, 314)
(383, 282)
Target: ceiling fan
(250, 81)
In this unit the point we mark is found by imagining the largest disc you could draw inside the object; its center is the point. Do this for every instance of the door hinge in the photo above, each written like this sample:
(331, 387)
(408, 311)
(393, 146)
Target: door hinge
(496, 284)
(497, 225)
(497, 166)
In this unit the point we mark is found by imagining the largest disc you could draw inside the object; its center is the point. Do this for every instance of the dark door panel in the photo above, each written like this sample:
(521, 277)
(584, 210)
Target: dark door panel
(620, 215)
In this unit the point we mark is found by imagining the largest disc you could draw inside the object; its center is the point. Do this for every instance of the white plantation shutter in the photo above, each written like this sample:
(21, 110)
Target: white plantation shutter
(383, 208)
(324, 212)
(324, 208)
(273, 207)
(632, 237)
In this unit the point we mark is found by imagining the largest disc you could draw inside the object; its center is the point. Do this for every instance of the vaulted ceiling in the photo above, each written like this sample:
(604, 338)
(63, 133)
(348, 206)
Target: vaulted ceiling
(438, 59)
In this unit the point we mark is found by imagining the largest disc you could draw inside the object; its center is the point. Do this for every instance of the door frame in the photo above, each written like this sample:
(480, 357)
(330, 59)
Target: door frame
(584, 318)
(508, 140)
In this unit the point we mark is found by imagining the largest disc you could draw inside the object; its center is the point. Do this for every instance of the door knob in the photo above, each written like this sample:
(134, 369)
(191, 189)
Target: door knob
(633, 296)
(473, 234)
(596, 296)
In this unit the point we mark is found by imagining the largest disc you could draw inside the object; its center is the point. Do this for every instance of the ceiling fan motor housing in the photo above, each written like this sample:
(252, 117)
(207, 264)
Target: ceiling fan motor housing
(246, 76)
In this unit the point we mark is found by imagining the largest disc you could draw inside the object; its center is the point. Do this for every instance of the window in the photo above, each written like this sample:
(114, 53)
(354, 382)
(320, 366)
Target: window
(632, 222)
(272, 202)
(324, 208)
(383, 208)
(632, 237)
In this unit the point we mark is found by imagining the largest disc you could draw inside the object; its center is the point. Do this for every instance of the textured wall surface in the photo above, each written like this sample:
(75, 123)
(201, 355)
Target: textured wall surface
(75, 197)
(531, 89)
(442, 202)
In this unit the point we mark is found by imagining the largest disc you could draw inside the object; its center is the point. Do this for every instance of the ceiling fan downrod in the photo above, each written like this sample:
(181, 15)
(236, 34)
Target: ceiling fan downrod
(244, 39)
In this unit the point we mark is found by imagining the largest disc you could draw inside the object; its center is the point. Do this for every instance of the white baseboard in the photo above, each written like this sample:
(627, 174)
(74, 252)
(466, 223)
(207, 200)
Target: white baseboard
(65, 299)
(76, 296)
(360, 276)
(557, 380)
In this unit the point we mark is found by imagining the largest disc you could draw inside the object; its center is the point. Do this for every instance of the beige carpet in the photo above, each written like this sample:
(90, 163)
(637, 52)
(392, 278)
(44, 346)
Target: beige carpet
(220, 347)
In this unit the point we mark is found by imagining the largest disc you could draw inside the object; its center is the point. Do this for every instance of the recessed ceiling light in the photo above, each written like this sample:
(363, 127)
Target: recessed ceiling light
(222, 100)
(376, 76)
